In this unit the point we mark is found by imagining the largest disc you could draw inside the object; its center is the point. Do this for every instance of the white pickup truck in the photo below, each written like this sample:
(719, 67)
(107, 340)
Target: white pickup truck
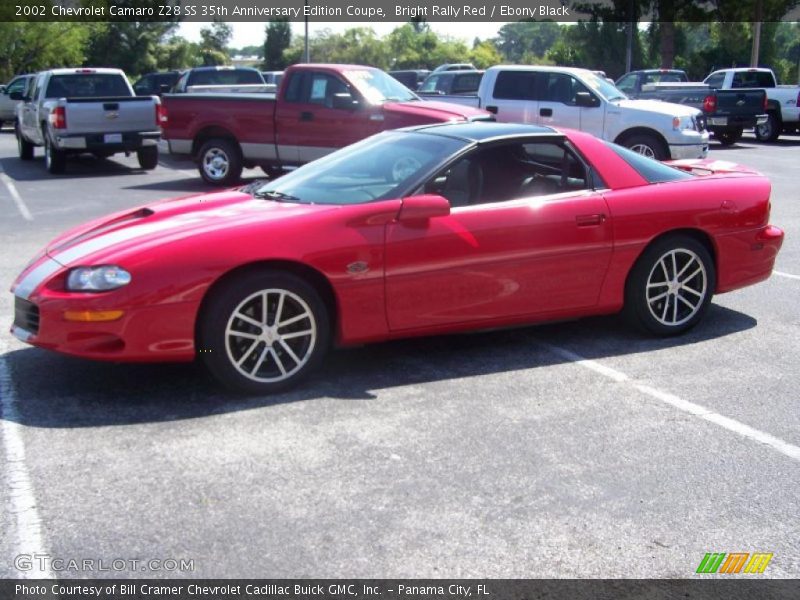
(69, 111)
(579, 99)
(783, 101)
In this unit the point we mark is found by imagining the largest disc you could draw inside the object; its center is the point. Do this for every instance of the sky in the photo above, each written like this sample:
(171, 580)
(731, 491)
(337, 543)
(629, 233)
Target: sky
(249, 34)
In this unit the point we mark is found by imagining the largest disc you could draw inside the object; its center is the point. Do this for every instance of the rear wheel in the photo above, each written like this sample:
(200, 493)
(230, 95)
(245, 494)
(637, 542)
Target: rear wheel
(272, 172)
(729, 137)
(264, 332)
(647, 145)
(769, 131)
(220, 162)
(670, 287)
(148, 157)
(24, 147)
(55, 161)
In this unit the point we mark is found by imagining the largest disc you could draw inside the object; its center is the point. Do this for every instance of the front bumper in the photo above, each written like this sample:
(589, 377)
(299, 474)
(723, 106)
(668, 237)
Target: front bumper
(735, 122)
(688, 143)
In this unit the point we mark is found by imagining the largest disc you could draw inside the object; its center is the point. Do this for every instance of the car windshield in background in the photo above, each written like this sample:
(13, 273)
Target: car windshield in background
(87, 85)
(378, 168)
(226, 77)
(605, 88)
(378, 87)
(652, 170)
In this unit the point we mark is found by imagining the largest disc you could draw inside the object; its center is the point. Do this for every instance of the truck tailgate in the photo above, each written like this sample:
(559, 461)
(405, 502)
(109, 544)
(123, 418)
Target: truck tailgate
(100, 115)
(741, 102)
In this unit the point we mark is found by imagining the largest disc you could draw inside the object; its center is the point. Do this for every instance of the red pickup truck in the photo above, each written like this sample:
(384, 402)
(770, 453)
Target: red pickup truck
(318, 108)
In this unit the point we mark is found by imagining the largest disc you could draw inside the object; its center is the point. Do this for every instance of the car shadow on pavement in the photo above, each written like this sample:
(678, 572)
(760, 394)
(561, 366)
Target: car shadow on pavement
(81, 166)
(56, 391)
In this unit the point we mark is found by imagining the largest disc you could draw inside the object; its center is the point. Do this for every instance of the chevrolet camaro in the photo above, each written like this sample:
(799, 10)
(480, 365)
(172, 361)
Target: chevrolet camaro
(421, 231)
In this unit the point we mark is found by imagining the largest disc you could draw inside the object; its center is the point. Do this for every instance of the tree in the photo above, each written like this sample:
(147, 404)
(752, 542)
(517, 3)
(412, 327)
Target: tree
(33, 46)
(278, 40)
(214, 43)
(132, 46)
(514, 40)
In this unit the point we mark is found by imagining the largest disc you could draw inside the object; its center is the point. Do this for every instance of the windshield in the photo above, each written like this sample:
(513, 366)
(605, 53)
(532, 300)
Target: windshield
(87, 85)
(381, 167)
(604, 87)
(378, 87)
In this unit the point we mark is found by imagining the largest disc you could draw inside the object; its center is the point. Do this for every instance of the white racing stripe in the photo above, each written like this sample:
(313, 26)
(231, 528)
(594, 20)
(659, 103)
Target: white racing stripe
(22, 499)
(12, 189)
(697, 410)
(789, 275)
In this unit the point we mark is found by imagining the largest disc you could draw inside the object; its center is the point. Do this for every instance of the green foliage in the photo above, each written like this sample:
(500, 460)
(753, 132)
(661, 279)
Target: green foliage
(28, 47)
(214, 44)
(278, 40)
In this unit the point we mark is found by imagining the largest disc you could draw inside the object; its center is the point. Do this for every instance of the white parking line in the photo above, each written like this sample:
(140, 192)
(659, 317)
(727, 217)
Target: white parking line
(789, 275)
(12, 189)
(18, 482)
(697, 410)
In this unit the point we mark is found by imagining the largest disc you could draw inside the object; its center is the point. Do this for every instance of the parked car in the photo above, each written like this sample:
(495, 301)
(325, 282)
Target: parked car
(444, 84)
(8, 106)
(579, 99)
(412, 79)
(727, 113)
(423, 231)
(783, 101)
(272, 77)
(318, 109)
(69, 111)
(455, 67)
(156, 84)
(220, 79)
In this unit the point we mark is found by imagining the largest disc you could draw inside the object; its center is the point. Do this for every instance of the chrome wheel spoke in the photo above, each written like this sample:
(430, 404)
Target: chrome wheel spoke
(300, 317)
(673, 299)
(279, 310)
(288, 350)
(260, 360)
(692, 276)
(659, 297)
(242, 334)
(247, 354)
(686, 302)
(247, 319)
(296, 334)
(278, 361)
(691, 291)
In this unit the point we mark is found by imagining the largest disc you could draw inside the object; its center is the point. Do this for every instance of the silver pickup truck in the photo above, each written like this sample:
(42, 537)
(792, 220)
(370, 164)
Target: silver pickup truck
(86, 110)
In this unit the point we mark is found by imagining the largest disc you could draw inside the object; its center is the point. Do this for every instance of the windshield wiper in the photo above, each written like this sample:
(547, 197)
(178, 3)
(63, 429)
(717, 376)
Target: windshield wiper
(278, 196)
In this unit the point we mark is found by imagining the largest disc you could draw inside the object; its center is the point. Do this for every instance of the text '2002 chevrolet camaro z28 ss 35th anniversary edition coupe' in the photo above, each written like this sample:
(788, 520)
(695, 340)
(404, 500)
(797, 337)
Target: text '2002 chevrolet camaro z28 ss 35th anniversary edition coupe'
(421, 231)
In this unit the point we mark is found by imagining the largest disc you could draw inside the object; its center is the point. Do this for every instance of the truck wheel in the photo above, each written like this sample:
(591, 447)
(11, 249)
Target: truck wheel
(55, 161)
(729, 137)
(24, 147)
(647, 145)
(272, 172)
(769, 131)
(148, 157)
(220, 162)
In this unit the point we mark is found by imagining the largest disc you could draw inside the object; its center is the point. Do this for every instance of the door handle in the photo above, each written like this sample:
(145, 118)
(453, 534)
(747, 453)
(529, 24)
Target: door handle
(545, 112)
(492, 109)
(589, 220)
(306, 116)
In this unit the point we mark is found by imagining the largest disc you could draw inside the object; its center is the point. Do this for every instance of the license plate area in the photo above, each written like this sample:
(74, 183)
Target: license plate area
(112, 138)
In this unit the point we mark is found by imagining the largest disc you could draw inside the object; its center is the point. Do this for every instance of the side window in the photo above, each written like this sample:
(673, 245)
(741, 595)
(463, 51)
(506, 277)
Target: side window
(445, 83)
(143, 86)
(38, 86)
(466, 83)
(562, 88)
(294, 89)
(509, 172)
(515, 85)
(323, 88)
(430, 84)
(181, 84)
(628, 83)
(18, 85)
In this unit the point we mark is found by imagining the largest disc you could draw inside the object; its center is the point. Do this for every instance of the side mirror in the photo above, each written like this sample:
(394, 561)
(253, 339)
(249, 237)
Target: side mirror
(344, 101)
(16, 96)
(586, 100)
(424, 207)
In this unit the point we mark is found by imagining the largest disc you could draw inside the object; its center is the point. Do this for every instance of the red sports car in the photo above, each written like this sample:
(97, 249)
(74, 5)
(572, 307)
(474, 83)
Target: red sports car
(421, 231)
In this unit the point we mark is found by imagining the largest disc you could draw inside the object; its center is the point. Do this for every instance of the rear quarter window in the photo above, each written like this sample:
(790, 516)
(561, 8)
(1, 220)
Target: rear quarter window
(651, 170)
(515, 85)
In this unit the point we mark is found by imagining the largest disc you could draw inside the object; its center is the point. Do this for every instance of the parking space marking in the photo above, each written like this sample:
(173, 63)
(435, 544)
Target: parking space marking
(697, 410)
(789, 275)
(18, 483)
(12, 189)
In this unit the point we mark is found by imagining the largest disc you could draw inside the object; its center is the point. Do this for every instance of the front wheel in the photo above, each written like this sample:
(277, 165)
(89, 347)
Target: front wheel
(263, 332)
(769, 131)
(670, 287)
(647, 145)
(24, 147)
(148, 157)
(55, 161)
(220, 162)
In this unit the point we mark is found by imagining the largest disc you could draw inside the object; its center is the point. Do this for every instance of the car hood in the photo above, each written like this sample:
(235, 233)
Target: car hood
(668, 109)
(167, 221)
(435, 112)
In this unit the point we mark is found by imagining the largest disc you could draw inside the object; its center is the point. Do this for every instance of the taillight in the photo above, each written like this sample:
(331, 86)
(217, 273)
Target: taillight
(710, 104)
(58, 117)
(161, 115)
(798, 99)
(766, 101)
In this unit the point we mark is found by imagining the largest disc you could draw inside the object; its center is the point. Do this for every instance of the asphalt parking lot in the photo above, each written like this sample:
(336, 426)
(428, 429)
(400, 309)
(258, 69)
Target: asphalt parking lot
(578, 449)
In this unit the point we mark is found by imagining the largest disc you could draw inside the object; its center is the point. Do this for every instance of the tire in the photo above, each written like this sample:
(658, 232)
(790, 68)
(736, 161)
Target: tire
(220, 162)
(769, 131)
(148, 157)
(729, 137)
(648, 145)
(55, 161)
(24, 147)
(247, 357)
(680, 306)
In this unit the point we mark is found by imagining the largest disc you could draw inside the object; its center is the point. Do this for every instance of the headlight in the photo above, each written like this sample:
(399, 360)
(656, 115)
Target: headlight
(681, 123)
(97, 279)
